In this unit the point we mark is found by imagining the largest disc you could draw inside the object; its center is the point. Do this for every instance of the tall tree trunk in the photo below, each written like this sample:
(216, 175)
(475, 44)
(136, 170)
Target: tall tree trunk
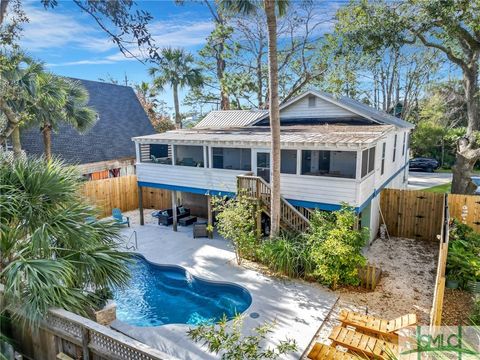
(3, 10)
(16, 144)
(274, 114)
(47, 141)
(178, 118)
(467, 155)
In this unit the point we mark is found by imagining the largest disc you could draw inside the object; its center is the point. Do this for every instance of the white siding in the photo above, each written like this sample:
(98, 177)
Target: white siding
(193, 177)
(319, 189)
(322, 108)
(305, 188)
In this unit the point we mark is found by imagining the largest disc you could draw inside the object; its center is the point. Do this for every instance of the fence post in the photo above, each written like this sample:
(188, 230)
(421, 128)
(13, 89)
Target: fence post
(85, 341)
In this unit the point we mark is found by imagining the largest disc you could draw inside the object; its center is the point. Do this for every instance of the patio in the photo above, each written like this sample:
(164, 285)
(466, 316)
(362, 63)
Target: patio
(299, 308)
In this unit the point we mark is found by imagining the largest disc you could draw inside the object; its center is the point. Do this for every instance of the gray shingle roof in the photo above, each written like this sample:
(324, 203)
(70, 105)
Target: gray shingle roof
(121, 117)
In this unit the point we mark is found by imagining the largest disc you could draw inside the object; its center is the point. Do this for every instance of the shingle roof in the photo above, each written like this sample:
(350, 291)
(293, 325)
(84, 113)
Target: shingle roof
(295, 136)
(120, 117)
(221, 119)
(352, 105)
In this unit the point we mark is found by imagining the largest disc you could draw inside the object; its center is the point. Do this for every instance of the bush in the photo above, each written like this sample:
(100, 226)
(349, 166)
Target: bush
(228, 340)
(336, 247)
(463, 262)
(287, 254)
(236, 222)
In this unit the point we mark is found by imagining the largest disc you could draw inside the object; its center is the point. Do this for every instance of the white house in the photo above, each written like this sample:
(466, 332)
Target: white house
(334, 151)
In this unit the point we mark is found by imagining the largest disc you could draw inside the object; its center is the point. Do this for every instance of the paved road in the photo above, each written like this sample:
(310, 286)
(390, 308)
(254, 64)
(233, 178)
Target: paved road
(423, 180)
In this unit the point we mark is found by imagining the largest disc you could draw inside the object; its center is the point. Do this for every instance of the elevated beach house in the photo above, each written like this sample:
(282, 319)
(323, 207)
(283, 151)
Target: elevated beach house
(334, 151)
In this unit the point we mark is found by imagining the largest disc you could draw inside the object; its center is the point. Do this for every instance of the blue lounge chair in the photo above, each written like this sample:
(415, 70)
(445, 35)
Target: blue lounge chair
(119, 218)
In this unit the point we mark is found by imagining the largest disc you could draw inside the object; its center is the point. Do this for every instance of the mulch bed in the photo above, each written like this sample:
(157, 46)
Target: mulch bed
(457, 307)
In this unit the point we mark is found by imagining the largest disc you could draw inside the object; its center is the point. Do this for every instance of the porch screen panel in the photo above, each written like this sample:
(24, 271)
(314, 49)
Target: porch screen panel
(288, 162)
(329, 163)
(232, 158)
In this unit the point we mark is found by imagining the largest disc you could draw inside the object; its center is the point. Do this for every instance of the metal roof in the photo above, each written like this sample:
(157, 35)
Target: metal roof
(222, 119)
(352, 105)
(291, 136)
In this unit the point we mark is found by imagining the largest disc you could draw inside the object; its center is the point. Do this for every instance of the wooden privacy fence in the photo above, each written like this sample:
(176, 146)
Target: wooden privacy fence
(466, 209)
(418, 214)
(122, 192)
(412, 214)
(439, 291)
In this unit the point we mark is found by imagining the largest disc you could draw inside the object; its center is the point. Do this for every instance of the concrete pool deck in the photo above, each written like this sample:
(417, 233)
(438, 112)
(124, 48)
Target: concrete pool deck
(299, 308)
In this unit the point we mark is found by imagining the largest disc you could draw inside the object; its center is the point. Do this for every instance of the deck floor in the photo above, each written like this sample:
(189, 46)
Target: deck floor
(299, 308)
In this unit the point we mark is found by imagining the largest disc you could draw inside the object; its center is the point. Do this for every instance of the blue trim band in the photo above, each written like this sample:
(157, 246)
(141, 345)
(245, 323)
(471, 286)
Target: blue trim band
(316, 205)
(186, 189)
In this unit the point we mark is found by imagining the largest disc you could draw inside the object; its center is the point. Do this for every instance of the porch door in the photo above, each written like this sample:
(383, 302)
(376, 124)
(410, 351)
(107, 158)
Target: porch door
(263, 165)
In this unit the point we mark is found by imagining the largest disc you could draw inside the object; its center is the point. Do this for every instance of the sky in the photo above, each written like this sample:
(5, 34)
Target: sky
(70, 43)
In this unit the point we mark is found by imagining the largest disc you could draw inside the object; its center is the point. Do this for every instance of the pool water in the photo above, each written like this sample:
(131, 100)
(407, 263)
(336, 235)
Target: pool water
(162, 294)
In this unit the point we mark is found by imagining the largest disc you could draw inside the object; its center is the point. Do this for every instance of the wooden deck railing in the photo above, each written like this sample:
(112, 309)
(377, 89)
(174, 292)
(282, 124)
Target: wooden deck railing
(257, 188)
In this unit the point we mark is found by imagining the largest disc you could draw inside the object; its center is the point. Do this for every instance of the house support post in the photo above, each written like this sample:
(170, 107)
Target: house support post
(174, 209)
(209, 217)
(140, 204)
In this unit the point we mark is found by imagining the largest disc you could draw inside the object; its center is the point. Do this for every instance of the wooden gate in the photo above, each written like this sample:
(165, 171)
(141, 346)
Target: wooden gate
(412, 214)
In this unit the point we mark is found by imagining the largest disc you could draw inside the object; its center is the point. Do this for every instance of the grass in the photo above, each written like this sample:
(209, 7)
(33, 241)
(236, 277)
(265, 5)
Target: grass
(444, 188)
(449, 171)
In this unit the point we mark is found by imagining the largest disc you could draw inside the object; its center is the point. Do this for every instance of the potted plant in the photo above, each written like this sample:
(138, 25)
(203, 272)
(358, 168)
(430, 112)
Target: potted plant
(452, 282)
(105, 309)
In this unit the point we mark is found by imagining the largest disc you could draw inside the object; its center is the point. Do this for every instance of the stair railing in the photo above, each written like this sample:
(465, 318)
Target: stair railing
(258, 188)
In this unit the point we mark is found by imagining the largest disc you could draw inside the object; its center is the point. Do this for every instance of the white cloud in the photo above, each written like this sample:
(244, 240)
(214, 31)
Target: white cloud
(165, 33)
(51, 29)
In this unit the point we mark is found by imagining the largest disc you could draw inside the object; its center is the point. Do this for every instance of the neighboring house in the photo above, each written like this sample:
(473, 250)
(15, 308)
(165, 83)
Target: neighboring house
(105, 150)
(334, 151)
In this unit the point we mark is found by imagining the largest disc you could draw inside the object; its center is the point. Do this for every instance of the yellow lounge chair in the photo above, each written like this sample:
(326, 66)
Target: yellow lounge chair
(325, 352)
(362, 344)
(376, 326)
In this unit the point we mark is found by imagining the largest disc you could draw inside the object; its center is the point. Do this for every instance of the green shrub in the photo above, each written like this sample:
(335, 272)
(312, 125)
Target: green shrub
(236, 222)
(228, 339)
(463, 262)
(288, 254)
(336, 247)
(475, 315)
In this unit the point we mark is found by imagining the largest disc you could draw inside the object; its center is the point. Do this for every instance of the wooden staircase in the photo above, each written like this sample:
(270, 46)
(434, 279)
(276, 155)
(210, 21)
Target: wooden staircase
(290, 218)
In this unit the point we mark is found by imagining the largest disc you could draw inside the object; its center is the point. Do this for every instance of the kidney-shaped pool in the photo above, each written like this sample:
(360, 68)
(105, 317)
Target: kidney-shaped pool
(165, 294)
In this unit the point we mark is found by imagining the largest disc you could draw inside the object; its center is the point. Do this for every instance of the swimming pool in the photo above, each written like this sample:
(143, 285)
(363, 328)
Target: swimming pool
(165, 294)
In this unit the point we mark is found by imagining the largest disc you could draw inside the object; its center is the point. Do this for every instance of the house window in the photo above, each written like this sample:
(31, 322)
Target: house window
(232, 158)
(329, 163)
(312, 101)
(288, 162)
(384, 150)
(394, 147)
(404, 143)
(368, 161)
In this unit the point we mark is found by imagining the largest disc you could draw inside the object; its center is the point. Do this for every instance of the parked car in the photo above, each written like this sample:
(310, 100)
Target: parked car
(423, 164)
(476, 181)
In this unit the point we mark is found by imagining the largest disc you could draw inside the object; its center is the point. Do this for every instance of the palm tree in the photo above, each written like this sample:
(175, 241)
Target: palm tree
(18, 86)
(61, 100)
(270, 6)
(49, 255)
(176, 70)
